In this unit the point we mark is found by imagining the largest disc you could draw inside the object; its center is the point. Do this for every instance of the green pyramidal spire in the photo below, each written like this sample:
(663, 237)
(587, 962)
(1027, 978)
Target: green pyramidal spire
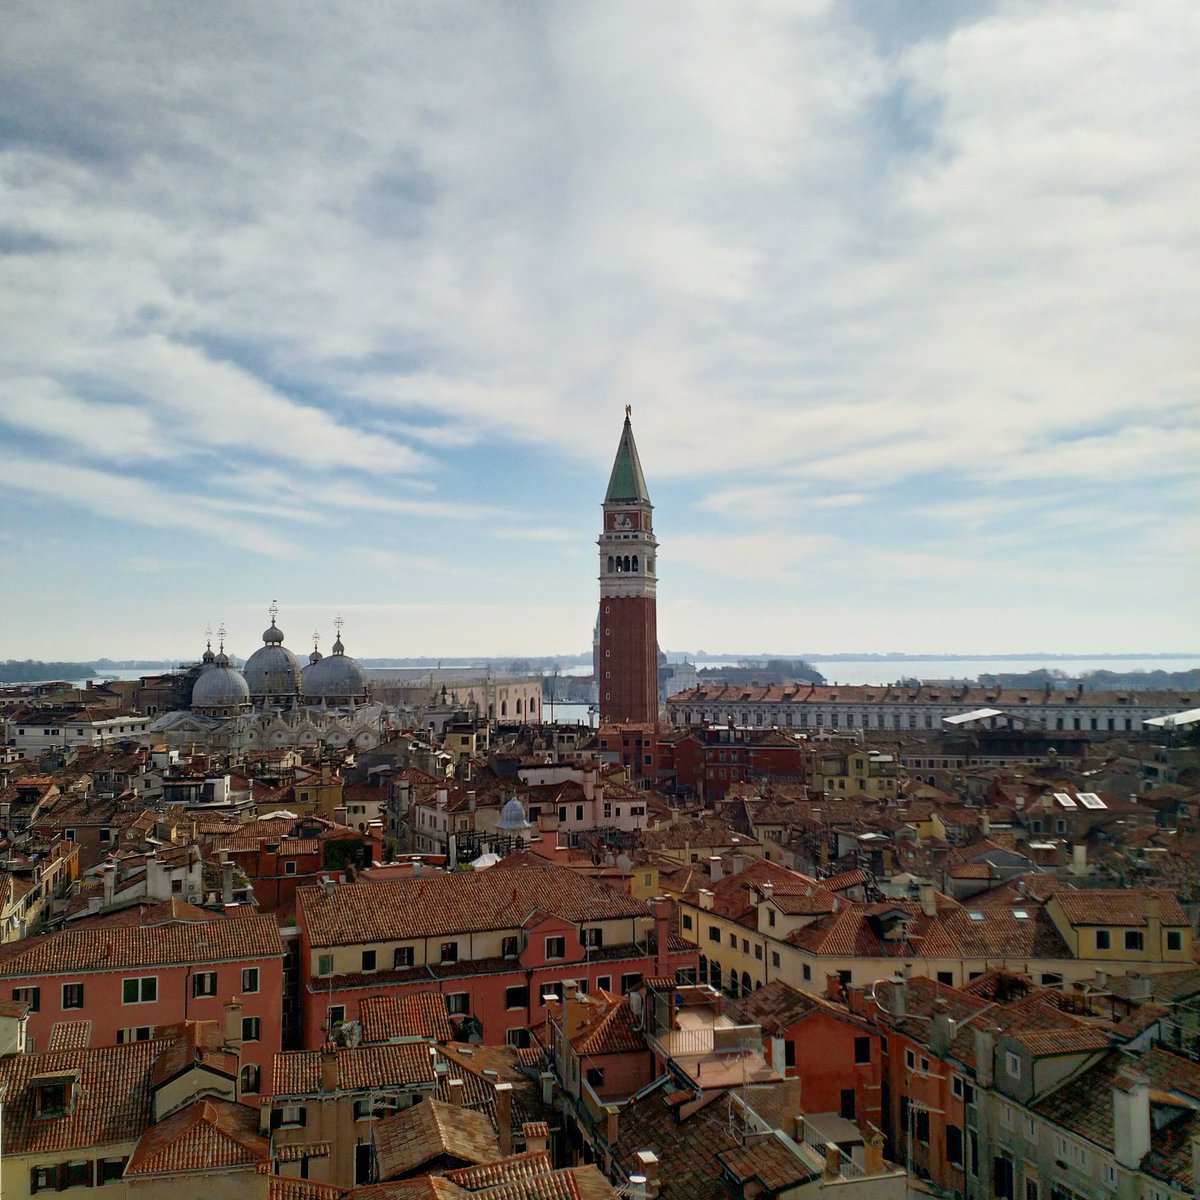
(627, 481)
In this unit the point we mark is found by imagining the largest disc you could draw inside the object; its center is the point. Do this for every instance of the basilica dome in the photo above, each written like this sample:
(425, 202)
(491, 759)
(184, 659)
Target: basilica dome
(220, 687)
(335, 679)
(272, 671)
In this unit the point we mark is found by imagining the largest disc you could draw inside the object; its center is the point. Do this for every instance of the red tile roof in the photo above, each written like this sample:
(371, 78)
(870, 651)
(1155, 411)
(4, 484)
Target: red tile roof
(446, 903)
(208, 1135)
(1117, 906)
(423, 1014)
(431, 1130)
(360, 1068)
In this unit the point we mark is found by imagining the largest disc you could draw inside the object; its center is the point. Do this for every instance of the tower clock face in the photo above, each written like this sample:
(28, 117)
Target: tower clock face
(623, 522)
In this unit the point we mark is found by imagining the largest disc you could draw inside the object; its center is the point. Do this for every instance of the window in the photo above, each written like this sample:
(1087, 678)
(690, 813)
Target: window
(1133, 939)
(138, 1033)
(714, 934)
(556, 947)
(604, 983)
(1103, 939)
(733, 940)
(806, 972)
(72, 995)
(954, 1145)
(449, 952)
(289, 867)
(458, 1004)
(862, 1049)
(593, 938)
(324, 964)
(204, 983)
(516, 997)
(508, 948)
(1030, 1129)
(250, 1079)
(595, 1077)
(771, 917)
(364, 1110)
(910, 1060)
(846, 1107)
(775, 958)
(251, 1029)
(368, 960)
(335, 1015)
(1012, 1064)
(1174, 939)
(109, 1170)
(30, 996)
(758, 953)
(402, 957)
(517, 1037)
(249, 979)
(143, 990)
(290, 1116)
(630, 981)
(946, 977)
(956, 1085)
(687, 920)
(1031, 1186)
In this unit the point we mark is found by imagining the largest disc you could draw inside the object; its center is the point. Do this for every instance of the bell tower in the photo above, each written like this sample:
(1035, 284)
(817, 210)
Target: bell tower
(627, 647)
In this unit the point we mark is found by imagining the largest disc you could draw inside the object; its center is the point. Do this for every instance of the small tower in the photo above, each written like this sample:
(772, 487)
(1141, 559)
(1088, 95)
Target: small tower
(627, 646)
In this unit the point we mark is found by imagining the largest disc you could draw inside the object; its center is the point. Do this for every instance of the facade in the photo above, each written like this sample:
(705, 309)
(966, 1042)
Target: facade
(129, 976)
(495, 945)
(627, 647)
(894, 709)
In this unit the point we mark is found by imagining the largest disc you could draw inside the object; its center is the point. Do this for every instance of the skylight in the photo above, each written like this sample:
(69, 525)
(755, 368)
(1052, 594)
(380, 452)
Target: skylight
(974, 914)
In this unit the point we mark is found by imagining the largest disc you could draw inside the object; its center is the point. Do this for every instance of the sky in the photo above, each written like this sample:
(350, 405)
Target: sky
(340, 306)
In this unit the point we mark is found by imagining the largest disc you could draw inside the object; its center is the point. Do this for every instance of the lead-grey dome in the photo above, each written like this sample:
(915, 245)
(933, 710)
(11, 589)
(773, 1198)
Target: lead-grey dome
(512, 818)
(335, 679)
(220, 687)
(272, 671)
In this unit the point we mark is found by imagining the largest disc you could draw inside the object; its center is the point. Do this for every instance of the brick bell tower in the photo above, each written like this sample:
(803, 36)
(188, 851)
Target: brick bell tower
(627, 647)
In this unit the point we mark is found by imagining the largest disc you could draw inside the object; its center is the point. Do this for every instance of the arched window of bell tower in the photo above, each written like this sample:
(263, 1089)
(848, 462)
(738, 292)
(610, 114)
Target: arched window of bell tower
(627, 562)
(635, 567)
(611, 568)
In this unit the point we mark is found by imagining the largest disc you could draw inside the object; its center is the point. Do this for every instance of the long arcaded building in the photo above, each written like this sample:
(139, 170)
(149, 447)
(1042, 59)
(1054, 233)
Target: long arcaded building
(891, 707)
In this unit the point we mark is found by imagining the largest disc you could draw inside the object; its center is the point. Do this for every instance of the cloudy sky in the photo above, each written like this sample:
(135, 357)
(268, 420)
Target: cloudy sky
(341, 305)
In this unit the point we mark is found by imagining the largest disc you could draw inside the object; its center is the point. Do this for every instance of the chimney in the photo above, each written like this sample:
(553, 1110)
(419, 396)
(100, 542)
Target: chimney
(739, 863)
(647, 1162)
(1100, 983)
(714, 868)
(537, 1137)
(227, 882)
(1131, 1119)
(504, 1117)
(663, 912)
(778, 1054)
(767, 888)
(575, 1009)
(329, 1068)
(928, 900)
(985, 1051)
(942, 1029)
(455, 1089)
(1140, 988)
(706, 898)
(329, 884)
(873, 1153)
(110, 883)
(897, 996)
(1079, 858)
(233, 1024)
(611, 1129)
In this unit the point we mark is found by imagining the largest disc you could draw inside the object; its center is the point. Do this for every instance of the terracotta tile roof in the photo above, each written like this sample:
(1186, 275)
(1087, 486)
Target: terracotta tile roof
(70, 1035)
(1166, 987)
(1117, 906)
(206, 1135)
(769, 1162)
(1083, 1106)
(778, 1005)
(280, 1188)
(112, 1101)
(610, 1027)
(423, 1187)
(360, 1068)
(515, 1168)
(429, 1130)
(687, 1150)
(453, 903)
(113, 945)
(192, 1043)
(847, 879)
(735, 897)
(295, 1151)
(420, 1014)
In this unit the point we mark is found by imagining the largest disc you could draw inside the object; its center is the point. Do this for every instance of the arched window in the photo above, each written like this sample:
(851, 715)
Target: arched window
(504, 708)
(627, 562)
(635, 562)
(702, 974)
(714, 975)
(746, 988)
(518, 708)
(611, 568)
(250, 1079)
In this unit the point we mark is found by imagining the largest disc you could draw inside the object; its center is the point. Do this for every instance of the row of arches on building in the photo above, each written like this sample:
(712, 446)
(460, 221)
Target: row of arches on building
(729, 981)
(532, 712)
(622, 564)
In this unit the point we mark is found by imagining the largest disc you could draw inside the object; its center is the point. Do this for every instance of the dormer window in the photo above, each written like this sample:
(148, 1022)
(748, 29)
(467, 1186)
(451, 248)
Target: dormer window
(53, 1094)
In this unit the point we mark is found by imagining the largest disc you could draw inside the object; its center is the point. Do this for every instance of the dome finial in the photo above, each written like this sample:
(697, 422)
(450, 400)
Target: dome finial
(273, 609)
(208, 635)
(338, 648)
